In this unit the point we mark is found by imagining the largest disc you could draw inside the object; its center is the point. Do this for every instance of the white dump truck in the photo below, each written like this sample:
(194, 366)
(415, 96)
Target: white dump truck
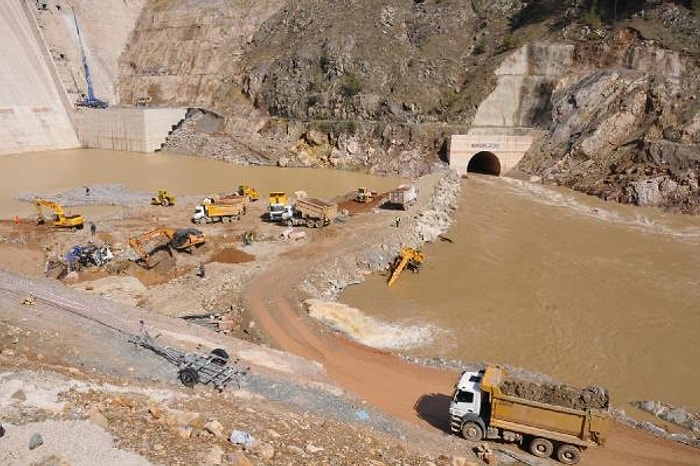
(552, 420)
(403, 197)
(220, 212)
(314, 213)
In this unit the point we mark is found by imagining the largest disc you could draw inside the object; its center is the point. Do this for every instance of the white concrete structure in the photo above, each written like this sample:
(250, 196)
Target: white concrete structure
(33, 114)
(491, 154)
(501, 132)
(128, 129)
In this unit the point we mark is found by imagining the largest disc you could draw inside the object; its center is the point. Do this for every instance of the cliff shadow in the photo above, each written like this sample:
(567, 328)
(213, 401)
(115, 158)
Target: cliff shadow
(434, 409)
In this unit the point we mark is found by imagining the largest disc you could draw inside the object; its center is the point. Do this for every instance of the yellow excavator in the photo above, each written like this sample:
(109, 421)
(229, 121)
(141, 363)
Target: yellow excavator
(180, 240)
(58, 218)
(408, 258)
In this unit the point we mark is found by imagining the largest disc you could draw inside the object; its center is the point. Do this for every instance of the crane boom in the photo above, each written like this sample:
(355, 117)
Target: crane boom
(89, 101)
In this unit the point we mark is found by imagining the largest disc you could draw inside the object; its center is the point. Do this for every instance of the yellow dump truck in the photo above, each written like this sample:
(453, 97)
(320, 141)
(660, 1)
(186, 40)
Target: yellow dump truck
(480, 409)
(220, 211)
(314, 213)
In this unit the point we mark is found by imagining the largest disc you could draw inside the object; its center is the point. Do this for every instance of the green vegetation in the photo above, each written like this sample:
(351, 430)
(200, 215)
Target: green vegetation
(351, 85)
(480, 47)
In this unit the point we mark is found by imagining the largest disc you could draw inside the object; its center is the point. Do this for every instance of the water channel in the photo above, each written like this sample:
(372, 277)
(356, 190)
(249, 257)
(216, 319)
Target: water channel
(586, 291)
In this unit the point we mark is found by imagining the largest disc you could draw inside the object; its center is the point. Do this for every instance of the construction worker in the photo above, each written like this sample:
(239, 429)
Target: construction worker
(397, 221)
(93, 228)
(87, 190)
(200, 271)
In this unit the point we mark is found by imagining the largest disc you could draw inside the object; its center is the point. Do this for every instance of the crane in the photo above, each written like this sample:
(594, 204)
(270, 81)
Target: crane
(90, 100)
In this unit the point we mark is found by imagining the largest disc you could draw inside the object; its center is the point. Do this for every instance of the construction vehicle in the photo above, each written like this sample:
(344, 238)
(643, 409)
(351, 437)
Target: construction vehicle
(314, 213)
(220, 211)
(164, 198)
(408, 258)
(183, 239)
(364, 195)
(59, 218)
(276, 203)
(248, 191)
(90, 100)
(403, 197)
(481, 410)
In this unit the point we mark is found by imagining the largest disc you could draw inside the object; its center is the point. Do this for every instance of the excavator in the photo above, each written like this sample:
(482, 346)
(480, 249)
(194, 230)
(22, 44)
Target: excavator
(408, 258)
(59, 218)
(181, 240)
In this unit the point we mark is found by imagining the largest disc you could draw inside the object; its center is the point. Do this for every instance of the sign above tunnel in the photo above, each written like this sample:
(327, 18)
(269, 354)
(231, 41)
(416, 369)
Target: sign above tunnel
(500, 151)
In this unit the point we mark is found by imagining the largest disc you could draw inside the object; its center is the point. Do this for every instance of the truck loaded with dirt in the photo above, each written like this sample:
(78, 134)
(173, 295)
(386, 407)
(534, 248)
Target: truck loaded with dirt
(549, 419)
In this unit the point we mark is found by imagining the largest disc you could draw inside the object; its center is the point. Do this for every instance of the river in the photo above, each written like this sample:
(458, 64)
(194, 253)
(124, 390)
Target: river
(588, 292)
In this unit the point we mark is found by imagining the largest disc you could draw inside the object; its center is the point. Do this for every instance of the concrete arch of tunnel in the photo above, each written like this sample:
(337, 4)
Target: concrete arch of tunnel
(484, 162)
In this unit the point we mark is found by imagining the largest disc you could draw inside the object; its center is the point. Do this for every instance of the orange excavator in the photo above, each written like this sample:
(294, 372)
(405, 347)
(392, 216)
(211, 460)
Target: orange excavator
(408, 258)
(183, 239)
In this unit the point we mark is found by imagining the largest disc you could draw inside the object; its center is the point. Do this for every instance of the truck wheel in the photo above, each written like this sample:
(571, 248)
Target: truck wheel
(225, 219)
(472, 431)
(165, 203)
(310, 223)
(541, 447)
(319, 223)
(290, 223)
(188, 377)
(568, 454)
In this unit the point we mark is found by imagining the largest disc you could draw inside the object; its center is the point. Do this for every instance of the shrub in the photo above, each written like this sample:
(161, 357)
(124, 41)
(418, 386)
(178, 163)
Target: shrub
(351, 85)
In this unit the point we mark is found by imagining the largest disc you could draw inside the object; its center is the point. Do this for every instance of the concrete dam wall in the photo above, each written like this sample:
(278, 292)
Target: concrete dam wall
(33, 114)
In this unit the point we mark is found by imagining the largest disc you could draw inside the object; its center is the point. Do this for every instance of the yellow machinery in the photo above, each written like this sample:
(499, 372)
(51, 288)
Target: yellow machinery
(59, 218)
(409, 258)
(249, 191)
(163, 198)
(364, 195)
(181, 240)
(277, 198)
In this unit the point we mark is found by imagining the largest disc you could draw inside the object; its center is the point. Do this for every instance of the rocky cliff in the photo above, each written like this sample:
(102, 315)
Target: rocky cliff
(382, 85)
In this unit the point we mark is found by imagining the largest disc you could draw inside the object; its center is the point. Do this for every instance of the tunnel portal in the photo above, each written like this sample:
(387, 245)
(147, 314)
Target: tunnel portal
(486, 163)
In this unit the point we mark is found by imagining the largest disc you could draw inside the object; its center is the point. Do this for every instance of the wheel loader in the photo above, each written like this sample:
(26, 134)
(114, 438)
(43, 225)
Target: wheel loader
(163, 198)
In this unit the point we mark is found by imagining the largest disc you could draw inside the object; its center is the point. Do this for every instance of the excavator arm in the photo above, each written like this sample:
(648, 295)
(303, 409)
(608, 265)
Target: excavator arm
(60, 219)
(408, 257)
(137, 243)
(180, 240)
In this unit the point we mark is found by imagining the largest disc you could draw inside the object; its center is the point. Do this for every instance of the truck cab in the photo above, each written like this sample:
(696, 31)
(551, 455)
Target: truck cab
(466, 405)
(279, 212)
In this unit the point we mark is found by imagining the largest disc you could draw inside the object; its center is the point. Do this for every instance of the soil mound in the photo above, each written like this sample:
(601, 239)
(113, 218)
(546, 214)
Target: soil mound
(232, 256)
(559, 395)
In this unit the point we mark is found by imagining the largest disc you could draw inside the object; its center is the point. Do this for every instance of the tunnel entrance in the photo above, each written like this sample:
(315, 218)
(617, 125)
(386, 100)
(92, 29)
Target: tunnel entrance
(486, 163)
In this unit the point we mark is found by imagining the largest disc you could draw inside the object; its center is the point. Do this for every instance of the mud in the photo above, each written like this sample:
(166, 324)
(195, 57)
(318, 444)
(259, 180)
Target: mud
(559, 395)
(232, 256)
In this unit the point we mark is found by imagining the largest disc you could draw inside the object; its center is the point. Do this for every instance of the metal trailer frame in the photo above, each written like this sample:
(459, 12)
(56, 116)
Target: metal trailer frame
(214, 368)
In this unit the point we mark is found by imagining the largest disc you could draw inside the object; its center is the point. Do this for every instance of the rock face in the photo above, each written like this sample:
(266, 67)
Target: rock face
(382, 87)
(625, 125)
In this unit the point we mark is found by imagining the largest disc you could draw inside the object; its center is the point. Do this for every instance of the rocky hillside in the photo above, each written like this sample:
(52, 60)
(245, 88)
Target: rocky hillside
(382, 86)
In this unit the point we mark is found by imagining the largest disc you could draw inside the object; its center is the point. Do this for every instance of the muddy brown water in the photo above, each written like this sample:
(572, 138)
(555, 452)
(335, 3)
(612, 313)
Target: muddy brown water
(48, 173)
(588, 292)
